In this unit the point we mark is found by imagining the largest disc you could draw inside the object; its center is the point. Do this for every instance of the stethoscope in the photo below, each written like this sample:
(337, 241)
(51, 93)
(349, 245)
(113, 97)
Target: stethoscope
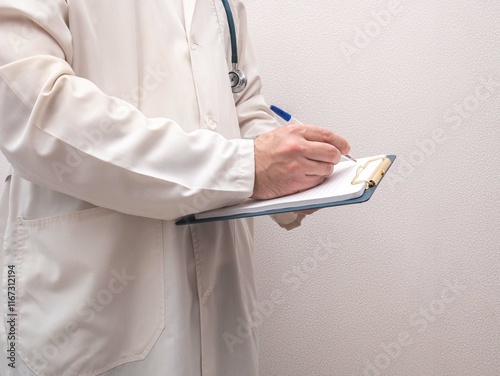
(237, 78)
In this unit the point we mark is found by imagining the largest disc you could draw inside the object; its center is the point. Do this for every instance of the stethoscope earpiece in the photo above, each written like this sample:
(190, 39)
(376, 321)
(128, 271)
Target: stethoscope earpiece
(237, 78)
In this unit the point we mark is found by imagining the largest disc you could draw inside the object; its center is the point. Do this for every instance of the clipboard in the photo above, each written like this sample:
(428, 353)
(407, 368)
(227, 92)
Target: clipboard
(367, 177)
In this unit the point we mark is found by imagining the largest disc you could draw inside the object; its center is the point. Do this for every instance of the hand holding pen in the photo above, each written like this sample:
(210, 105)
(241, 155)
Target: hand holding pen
(295, 158)
(293, 120)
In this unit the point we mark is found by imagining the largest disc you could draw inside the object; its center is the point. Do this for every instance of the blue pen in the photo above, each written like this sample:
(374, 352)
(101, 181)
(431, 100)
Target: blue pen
(288, 117)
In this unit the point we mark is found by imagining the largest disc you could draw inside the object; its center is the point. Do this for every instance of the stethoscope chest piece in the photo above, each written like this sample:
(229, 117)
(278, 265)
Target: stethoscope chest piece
(238, 80)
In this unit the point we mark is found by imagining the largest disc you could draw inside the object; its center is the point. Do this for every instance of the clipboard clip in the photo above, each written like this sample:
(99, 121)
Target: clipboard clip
(370, 173)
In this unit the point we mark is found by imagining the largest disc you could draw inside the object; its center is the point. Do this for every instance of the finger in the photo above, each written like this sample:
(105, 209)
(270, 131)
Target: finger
(322, 152)
(315, 168)
(312, 181)
(318, 134)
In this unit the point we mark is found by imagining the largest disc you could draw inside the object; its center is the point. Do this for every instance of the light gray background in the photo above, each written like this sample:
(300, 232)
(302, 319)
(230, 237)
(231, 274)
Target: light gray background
(434, 219)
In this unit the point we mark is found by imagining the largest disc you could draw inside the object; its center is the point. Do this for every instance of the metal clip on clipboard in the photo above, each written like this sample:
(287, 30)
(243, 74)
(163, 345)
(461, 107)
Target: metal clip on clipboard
(371, 172)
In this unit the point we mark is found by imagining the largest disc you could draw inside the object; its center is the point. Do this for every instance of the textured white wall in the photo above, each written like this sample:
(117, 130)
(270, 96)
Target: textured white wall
(355, 280)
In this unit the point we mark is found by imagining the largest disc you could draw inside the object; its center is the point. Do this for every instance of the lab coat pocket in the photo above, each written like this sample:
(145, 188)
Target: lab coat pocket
(90, 291)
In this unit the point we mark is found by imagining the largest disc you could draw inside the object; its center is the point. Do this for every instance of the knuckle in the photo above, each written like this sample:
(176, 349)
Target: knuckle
(294, 168)
(295, 148)
(295, 128)
(326, 135)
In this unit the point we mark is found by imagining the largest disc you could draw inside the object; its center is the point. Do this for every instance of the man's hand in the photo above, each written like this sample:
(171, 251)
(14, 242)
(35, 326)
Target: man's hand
(293, 158)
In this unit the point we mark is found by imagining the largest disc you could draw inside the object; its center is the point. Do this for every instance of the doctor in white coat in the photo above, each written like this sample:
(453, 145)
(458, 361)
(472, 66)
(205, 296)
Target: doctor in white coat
(117, 118)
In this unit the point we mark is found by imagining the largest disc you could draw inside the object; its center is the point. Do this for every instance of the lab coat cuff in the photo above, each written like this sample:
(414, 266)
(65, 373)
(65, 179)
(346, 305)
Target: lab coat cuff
(247, 168)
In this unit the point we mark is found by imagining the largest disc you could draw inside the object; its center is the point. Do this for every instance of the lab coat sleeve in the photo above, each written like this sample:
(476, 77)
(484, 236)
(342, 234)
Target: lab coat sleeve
(61, 132)
(254, 115)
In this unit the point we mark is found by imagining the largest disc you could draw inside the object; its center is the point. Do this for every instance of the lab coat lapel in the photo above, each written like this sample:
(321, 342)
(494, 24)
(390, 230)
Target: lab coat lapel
(188, 6)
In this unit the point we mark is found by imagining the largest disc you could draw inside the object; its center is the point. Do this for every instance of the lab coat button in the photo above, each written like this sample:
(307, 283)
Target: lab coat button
(205, 296)
(193, 44)
(211, 123)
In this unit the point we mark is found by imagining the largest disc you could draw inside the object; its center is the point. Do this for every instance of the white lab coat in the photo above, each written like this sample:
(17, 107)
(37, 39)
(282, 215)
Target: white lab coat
(117, 118)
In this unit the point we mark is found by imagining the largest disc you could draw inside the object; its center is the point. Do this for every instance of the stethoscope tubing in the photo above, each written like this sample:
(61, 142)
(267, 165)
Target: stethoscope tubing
(237, 78)
(232, 32)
